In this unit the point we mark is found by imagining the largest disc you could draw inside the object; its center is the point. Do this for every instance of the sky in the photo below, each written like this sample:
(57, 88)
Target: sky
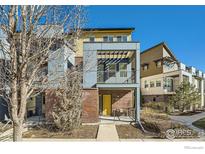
(182, 28)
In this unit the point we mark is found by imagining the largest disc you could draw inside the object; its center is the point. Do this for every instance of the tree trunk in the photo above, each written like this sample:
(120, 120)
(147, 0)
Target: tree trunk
(17, 132)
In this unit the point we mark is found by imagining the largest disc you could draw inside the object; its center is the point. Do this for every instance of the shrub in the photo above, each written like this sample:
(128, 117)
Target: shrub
(161, 106)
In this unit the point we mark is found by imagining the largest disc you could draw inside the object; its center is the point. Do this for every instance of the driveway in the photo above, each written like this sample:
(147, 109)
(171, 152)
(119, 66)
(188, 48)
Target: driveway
(188, 120)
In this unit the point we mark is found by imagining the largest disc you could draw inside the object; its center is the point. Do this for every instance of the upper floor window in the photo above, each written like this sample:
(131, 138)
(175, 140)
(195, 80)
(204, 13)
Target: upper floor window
(108, 38)
(92, 39)
(123, 69)
(122, 38)
(158, 64)
(145, 67)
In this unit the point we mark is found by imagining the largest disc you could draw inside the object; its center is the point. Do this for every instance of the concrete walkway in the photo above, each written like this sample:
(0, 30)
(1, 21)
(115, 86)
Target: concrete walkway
(188, 120)
(107, 132)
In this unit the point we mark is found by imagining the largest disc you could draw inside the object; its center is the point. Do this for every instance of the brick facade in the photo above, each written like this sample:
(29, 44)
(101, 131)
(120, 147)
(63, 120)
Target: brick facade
(121, 99)
(90, 105)
(50, 100)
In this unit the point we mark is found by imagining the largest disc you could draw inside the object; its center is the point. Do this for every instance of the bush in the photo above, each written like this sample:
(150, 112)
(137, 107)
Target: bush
(161, 106)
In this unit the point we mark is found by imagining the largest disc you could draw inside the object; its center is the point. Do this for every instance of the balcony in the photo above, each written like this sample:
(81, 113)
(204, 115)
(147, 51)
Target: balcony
(116, 77)
(111, 63)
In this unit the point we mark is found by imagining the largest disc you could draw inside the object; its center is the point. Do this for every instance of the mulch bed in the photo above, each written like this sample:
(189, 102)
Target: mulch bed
(128, 132)
(83, 132)
(132, 132)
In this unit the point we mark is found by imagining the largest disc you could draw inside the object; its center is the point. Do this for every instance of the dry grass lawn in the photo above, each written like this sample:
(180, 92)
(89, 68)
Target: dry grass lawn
(83, 132)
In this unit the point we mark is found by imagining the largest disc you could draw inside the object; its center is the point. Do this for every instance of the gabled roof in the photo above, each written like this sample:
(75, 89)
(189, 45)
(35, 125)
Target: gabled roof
(165, 46)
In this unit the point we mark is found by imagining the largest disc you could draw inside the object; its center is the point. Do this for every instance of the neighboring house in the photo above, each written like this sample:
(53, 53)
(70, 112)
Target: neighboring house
(4, 114)
(161, 73)
(111, 75)
(55, 67)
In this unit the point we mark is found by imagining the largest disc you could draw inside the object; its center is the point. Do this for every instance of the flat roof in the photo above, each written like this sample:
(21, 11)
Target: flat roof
(104, 29)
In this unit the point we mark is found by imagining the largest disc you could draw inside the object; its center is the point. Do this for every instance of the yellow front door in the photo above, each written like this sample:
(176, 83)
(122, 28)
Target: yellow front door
(106, 105)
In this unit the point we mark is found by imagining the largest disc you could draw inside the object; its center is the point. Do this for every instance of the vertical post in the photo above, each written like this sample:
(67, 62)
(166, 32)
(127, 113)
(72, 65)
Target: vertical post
(202, 93)
(180, 77)
(137, 89)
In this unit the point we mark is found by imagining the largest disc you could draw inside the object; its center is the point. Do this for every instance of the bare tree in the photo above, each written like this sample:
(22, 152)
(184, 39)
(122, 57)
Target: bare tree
(67, 111)
(31, 35)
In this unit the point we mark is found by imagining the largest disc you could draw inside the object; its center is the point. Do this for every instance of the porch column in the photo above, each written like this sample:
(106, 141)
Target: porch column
(137, 105)
(180, 77)
(202, 93)
(137, 90)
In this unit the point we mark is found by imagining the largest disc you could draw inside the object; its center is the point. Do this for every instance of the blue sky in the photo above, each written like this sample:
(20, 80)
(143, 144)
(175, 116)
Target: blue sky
(181, 27)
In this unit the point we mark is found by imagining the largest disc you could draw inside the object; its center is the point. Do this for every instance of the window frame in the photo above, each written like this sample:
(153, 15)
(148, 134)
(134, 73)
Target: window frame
(122, 38)
(143, 67)
(146, 85)
(123, 72)
(112, 71)
(158, 62)
(108, 38)
(93, 38)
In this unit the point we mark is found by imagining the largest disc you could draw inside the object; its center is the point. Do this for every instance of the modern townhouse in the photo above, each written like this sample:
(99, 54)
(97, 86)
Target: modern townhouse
(162, 72)
(111, 72)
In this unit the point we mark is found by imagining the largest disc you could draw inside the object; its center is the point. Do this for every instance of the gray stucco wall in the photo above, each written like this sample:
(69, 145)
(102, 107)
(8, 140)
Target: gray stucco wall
(58, 64)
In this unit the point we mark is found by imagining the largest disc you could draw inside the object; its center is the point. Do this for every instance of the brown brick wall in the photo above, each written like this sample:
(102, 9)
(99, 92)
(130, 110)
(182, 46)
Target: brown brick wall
(121, 99)
(90, 106)
(50, 100)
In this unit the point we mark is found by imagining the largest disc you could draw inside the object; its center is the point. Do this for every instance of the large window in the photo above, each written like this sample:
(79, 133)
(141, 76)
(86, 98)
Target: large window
(112, 70)
(108, 38)
(123, 69)
(169, 84)
(122, 38)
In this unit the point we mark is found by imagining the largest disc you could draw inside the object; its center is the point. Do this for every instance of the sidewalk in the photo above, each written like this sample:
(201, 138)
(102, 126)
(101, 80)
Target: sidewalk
(107, 132)
(188, 120)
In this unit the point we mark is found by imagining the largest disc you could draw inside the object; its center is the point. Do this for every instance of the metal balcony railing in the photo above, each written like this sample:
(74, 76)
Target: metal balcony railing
(116, 76)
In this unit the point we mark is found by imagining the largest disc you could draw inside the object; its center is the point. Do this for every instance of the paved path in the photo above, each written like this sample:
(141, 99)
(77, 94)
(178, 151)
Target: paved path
(107, 132)
(188, 120)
